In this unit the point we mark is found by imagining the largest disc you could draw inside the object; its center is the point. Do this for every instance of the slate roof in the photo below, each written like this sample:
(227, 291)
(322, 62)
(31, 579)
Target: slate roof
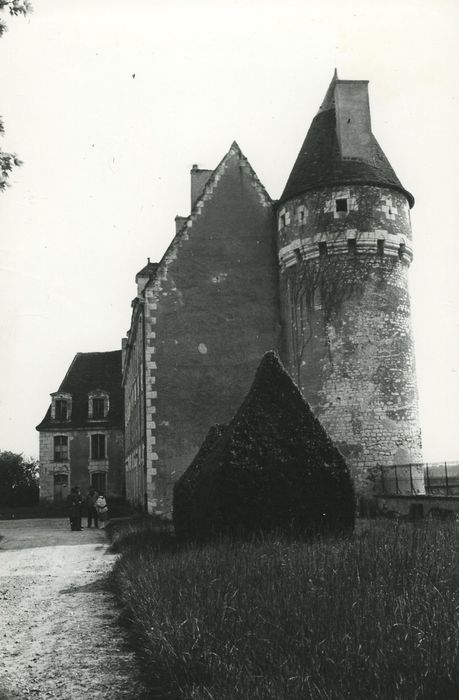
(319, 162)
(88, 372)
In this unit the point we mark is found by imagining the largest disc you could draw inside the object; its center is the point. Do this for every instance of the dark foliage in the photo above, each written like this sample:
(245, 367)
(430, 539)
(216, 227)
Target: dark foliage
(274, 467)
(184, 489)
(18, 480)
(10, 160)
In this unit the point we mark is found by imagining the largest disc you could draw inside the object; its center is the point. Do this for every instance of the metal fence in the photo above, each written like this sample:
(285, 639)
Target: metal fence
(430, 478)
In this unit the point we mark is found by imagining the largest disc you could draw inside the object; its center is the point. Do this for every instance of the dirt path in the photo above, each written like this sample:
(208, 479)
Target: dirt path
(59, 636)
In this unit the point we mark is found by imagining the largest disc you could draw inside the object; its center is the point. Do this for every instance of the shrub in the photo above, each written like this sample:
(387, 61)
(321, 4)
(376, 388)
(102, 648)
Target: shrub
(185, 487)
(274, 467)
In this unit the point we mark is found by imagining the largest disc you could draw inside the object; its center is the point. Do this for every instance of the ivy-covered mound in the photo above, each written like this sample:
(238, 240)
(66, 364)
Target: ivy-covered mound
(273, 467)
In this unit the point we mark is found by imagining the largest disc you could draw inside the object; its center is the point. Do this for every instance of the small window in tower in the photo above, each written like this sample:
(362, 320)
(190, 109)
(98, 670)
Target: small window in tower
(351, 246)
(380, 247)
(401, 250)
(301, 214)
(341, 205)
(298, 255)
(282, 221)
(323, 249)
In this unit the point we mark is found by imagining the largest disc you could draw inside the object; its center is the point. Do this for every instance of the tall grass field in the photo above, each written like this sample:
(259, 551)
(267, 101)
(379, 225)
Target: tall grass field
(374, 615)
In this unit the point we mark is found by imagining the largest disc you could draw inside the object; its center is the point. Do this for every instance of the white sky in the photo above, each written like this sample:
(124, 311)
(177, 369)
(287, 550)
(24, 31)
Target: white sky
(107, 159)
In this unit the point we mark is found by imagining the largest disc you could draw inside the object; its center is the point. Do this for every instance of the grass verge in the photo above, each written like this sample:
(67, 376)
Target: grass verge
(374, 616)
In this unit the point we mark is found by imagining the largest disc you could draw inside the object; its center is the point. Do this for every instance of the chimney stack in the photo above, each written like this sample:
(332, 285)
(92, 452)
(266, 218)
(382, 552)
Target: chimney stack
(353, 123)
(199, 179)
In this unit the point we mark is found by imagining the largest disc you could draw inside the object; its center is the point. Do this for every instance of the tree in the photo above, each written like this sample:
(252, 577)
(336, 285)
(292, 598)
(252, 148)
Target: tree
(18, 480)
(9, 160)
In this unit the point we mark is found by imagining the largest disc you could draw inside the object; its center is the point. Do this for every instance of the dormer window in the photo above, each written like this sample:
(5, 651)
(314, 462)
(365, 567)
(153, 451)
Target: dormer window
(61, 406)
(98, 405)
(61, 409)
(98, 408)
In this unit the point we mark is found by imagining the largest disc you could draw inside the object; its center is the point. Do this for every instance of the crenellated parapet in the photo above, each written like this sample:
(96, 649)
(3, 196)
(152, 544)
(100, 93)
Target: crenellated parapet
(350, 242)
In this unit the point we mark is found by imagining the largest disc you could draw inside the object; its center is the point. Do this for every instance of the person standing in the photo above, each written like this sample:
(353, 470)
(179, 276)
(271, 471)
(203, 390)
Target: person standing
(74, 508)
(91, 499)
(79, 507)
(102, 509)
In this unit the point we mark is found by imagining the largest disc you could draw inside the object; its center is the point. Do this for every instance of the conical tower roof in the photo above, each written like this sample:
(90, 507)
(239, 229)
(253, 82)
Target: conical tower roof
(324, 160)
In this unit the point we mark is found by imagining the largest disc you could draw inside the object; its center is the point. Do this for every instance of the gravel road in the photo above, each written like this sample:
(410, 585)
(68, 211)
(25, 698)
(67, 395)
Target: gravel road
(59, 636)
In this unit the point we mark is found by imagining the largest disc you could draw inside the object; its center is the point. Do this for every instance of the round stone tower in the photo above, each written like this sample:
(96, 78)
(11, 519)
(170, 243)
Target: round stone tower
(345, 246)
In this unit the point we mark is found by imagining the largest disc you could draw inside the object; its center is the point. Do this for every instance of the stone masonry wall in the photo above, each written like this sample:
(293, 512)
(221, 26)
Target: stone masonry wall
(348, 339)
(134, 411)
(211, 314)
(79, 465)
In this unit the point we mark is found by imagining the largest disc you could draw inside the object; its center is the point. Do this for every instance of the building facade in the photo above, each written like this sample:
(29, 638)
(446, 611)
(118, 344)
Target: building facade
(201, 321)
(82, 433)
(320, 276)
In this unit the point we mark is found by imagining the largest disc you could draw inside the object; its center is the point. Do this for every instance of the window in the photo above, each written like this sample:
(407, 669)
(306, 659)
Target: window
(61, 486)
(99, 482)
(301, 214)
(61, 449)
(323, 249)
(98, 446)
(98, 408)
(61, 406)
(284, 219)
(98, 404)
(351, 246)
(61, 409)
(401, 250)
(341, 205)
(380, 247)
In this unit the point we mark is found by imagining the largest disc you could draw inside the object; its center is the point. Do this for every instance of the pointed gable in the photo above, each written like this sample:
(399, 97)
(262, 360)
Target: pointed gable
(233, 157)
(339, 148)
(211, 310)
